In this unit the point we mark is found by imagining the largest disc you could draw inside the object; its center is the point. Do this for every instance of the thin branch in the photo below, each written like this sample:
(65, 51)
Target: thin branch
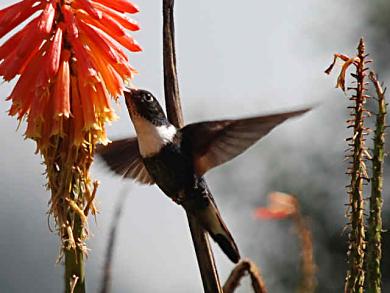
(206, 263)
(171, 84)
(107, 268)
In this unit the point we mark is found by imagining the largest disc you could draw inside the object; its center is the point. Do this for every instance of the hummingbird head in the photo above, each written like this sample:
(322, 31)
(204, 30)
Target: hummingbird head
(152, 126)
(143, 105)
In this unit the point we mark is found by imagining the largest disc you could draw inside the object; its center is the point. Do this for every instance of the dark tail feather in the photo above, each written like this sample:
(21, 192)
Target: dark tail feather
(228, 246)
(210, 219)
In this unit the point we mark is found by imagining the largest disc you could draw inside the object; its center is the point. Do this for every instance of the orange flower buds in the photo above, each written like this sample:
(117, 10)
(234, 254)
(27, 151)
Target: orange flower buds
(69, 60)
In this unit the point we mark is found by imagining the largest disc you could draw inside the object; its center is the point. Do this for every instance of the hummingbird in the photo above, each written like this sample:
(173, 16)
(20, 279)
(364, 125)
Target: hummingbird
(177, 159)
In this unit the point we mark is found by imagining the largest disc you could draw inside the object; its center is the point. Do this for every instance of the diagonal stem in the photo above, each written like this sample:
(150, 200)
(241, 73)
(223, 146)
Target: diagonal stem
(208, 271)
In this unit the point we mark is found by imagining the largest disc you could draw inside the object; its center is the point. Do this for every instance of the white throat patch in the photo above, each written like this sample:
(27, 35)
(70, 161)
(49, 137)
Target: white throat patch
(152, 138)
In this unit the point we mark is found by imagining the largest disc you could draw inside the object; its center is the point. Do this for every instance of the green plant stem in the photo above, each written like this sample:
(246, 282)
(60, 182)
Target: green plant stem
(74, 262)
(374, 245)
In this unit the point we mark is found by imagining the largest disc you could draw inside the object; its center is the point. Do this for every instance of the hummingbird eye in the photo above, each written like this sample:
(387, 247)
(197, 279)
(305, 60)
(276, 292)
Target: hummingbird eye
(148, 98)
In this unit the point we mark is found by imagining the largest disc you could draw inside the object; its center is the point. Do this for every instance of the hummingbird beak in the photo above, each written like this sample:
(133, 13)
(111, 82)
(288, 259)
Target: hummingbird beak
(130, 96)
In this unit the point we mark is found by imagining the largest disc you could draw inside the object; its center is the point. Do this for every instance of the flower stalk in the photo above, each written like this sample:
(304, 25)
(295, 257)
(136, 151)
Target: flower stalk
(282, 206)
(356, 274)
(374, 243)
(69, 62)
(358, 153)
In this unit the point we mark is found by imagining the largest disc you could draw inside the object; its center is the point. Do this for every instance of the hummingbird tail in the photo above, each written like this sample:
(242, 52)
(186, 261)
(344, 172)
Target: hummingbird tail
(212, 222)
(228, 246)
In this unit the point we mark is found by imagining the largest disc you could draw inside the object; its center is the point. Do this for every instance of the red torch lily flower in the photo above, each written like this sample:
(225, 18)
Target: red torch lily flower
(280, 206)
(70, 62)
(78, 38)
(285, 206)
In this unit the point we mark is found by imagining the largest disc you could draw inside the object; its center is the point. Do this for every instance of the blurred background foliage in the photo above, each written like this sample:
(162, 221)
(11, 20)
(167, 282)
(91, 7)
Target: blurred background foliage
(315, 192)
(290, 45)
(379, 22)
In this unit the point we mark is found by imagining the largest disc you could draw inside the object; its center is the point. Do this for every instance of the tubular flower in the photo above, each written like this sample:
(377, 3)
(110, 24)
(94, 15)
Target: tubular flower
(69, 60)
(81, 38)
(285, 206)
(280, 206)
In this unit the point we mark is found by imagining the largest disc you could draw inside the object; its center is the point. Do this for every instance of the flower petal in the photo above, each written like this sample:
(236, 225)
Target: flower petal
(120, 5)
(105, 22)
(9, 46)
(121, 18)
(129, 43)
(15, 62)
(102, 100)
(270, 214)
(77, 113)
(124, 39)
(97, 41)
(107, 52)
(47, 18)
(70, 23)
(54, 53)
(111, 78)
(88, 8)
(23, 92)
(61, 89)
(86, 93)
(15, 14)
(84, 64)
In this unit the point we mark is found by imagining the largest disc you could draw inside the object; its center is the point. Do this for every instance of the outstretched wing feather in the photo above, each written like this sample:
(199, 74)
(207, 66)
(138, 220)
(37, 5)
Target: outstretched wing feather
(123, 157)
(213, 143)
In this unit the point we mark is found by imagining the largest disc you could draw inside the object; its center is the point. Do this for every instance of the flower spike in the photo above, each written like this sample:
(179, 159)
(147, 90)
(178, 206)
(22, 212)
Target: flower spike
(70, 63)
(92, 32)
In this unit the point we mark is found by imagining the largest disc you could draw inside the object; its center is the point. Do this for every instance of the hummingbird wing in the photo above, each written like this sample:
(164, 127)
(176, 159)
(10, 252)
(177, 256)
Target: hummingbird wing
(123, 157)
(213, 143)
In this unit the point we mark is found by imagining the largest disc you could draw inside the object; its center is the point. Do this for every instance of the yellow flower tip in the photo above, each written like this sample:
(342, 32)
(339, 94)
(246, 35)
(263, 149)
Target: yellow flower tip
(100, 136)
(105, 141)
(107, 115)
